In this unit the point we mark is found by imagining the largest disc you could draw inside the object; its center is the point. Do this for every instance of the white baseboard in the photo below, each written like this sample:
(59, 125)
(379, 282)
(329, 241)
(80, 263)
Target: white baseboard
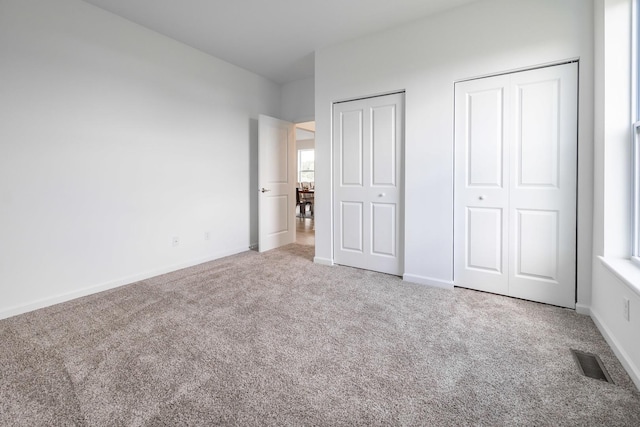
(429, 281)
(623, 357)
(323, 261)
(583, 309)
(68, 296)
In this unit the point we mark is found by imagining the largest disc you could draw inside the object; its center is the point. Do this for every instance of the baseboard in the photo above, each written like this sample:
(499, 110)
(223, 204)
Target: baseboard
(57, 299)
(429, 281)
(623, 357)
(323, 261)
(583, 309)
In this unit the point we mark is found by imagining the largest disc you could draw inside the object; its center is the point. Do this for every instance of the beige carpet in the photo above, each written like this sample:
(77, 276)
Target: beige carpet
(273, 339)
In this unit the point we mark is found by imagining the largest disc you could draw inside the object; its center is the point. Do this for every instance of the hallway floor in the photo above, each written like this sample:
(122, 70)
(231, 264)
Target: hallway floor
(305, 231)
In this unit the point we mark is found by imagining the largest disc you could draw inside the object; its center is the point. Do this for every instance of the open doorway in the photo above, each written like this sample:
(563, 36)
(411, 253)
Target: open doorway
(305, 187)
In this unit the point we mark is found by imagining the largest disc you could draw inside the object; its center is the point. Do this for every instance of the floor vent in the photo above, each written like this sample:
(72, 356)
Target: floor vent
(591, 366)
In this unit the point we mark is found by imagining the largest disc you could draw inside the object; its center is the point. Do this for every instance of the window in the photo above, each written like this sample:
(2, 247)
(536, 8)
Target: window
(306, 168)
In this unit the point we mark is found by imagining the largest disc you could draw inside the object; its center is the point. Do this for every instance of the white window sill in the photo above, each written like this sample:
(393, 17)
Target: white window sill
(625, 270)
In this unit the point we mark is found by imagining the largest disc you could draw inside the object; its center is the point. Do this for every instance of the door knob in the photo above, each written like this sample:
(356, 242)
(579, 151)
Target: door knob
(481, 198)
(381, 195)
(264, 190)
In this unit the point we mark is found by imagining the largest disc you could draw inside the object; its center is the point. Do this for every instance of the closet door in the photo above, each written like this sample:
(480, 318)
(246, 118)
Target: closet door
(481, 185)
(516, 168)
(543, 185)
(368, 183)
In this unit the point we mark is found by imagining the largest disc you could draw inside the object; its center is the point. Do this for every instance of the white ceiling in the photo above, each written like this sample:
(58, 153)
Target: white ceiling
(273, 38)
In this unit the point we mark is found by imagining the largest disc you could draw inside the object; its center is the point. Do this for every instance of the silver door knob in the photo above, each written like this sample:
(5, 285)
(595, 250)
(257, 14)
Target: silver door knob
(481, 198)
(264, 190)
(381, 195)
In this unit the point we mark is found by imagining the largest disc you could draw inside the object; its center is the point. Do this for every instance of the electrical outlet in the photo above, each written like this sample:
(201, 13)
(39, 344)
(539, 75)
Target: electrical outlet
(207, 236)
(625, 308)
(175, 241)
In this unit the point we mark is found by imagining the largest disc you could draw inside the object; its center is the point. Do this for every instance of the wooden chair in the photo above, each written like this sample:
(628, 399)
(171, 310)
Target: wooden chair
(308, 197)
(303, 202)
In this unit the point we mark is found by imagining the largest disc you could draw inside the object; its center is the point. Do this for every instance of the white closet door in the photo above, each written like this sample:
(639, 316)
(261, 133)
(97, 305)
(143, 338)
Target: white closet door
(481, 185)
(543, 188)
(368, 183)
(515, 225)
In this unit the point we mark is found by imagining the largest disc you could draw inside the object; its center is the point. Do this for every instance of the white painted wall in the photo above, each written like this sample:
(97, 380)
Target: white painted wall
(614, 276)
(425, 58)
(305, 144)
(298, 101)
(114, 139)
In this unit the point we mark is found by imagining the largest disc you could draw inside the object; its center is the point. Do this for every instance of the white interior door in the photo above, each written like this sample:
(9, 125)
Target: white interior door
(481, 187)
(276, 177)
(516, 172)
(368, 183)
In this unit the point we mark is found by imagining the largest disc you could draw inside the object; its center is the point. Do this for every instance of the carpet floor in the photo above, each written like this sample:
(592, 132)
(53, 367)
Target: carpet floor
(274, 339)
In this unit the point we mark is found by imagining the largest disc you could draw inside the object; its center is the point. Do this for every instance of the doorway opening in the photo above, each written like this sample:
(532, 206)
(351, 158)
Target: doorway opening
(305, 186)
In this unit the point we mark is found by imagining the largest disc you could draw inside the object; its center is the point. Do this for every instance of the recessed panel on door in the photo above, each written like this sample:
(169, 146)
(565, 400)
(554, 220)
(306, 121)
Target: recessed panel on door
(352, 226)
(484, 138)
(277, 166)
(351, 148)
(537, 244)
(484, 239)
(383, 145)
(277, 223)
(538, 118)
(383, 223)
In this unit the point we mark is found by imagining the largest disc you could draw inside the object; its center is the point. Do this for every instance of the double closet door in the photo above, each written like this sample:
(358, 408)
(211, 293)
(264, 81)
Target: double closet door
(368, 138)
(515, 184)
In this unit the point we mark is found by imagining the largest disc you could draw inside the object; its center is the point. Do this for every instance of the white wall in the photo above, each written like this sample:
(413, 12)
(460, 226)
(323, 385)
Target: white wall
(305, 144)
(115, 139)
(614, 276)
(298, 101)
(425, 58)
